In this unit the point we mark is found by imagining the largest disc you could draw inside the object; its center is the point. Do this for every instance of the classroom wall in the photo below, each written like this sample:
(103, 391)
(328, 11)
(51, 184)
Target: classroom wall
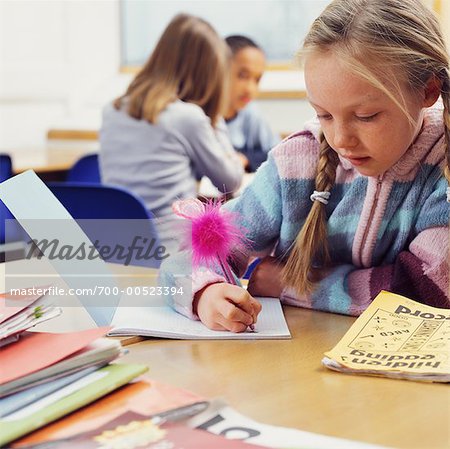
(59, 64)
(56, 57)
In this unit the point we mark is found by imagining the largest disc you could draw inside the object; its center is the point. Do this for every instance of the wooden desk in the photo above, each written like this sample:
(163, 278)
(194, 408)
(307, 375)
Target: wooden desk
(51, 162)
(283, 383)
(91, 134)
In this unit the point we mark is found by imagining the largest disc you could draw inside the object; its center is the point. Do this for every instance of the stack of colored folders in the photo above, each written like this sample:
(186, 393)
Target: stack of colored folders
(44, 376)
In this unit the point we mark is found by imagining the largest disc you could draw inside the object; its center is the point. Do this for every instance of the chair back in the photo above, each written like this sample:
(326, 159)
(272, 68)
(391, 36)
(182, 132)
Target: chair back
(112, 216)
(5, 167)
(6, 172)
(86, 169)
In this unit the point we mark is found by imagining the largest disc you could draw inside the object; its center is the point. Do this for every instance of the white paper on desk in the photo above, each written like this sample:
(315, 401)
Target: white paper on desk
(166, 323)
(43, 217)
(221, 419)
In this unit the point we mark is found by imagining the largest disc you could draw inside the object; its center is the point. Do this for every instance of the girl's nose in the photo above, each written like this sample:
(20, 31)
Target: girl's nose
(344, 137)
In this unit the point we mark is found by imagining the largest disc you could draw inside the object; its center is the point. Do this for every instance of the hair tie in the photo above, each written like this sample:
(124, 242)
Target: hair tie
(448, 194)
(323, 196)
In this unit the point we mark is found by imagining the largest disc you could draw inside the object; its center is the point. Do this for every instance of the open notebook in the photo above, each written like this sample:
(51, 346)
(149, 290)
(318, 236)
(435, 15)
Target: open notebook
(166, 323)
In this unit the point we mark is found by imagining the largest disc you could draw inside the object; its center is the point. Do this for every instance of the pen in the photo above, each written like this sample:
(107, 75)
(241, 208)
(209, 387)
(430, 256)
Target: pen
(226, 270)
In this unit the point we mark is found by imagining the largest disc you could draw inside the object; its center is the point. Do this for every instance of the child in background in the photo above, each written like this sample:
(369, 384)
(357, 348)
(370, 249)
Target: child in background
(167, 130)
(356, 202)
(250, 134)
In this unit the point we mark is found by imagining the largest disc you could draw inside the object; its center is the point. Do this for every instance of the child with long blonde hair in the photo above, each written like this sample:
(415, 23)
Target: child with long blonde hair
(357, 202)
(167, 130)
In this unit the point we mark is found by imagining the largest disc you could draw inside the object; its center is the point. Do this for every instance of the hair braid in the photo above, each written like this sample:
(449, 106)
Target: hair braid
(311, 246)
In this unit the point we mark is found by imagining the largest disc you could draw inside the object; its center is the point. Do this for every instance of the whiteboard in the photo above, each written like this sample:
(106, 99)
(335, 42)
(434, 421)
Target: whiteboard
(278, 26)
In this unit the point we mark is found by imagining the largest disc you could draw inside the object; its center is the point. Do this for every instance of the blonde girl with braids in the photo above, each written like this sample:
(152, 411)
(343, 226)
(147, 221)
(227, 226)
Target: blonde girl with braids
(357, 202)
(166, 131)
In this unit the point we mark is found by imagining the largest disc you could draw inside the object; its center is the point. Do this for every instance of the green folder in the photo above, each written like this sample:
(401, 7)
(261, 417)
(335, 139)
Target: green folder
(117, 375)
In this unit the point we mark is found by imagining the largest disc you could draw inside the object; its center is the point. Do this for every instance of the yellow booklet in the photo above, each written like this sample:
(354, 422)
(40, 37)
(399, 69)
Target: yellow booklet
(396, 337)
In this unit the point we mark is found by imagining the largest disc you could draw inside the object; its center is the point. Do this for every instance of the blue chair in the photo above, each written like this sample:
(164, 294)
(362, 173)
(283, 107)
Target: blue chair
(112, 216)
(86, 169)
(6, 172)
(5, 167)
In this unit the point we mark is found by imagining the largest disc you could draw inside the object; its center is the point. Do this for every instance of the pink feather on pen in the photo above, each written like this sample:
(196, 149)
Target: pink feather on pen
(214, 234)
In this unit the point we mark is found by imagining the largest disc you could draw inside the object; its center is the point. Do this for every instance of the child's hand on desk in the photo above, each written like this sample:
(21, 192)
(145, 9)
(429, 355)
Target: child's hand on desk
(266, 278)
(244, 160)
(226, 307)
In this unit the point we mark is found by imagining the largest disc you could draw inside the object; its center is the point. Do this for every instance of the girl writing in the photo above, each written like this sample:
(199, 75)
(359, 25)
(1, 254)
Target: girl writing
(356, 202)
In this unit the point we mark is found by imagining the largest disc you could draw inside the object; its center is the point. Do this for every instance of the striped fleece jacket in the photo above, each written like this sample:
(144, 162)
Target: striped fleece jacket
(386, 233)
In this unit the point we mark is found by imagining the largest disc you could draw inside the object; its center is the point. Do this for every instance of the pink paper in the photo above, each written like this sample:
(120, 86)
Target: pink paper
(37, 350)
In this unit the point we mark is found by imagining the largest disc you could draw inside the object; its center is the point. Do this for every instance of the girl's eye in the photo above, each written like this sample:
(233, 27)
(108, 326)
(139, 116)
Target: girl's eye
(324, 116)
(367, 118)
(243, 75)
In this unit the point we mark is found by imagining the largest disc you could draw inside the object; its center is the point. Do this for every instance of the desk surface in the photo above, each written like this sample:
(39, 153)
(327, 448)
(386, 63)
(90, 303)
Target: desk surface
(283, 383)
(54, 157)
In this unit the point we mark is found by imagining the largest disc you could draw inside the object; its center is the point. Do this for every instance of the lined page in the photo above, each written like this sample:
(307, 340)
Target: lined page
(167, 323)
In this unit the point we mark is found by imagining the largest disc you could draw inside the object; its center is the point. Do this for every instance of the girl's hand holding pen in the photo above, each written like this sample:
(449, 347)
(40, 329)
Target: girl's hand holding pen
(228, 307)
(214, 233)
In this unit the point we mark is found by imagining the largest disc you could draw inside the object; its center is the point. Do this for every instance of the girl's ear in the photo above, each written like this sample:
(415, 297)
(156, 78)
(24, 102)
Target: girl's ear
(432, 91)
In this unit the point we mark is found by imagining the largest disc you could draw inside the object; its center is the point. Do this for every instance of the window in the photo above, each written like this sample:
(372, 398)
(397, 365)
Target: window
(278, 26)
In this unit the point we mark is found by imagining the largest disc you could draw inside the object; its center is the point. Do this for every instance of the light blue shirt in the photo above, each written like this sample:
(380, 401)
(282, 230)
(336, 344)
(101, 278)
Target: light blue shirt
(251, 135)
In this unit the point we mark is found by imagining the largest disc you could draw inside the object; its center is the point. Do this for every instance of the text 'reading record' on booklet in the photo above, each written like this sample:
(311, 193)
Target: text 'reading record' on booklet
(396, 337)
(167, 323)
